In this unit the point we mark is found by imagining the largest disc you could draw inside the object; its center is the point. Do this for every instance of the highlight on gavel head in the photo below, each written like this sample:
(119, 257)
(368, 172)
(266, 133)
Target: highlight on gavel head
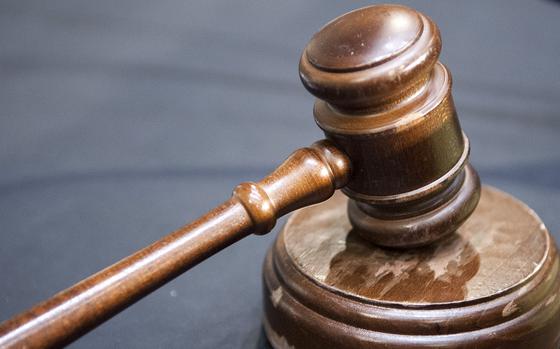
(385, 99)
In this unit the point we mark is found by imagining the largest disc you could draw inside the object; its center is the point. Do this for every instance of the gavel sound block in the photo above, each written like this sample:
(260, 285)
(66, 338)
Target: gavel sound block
(414, 255)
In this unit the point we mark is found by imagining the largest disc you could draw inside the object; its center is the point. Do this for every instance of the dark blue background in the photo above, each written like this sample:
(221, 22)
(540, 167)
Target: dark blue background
(122, 120)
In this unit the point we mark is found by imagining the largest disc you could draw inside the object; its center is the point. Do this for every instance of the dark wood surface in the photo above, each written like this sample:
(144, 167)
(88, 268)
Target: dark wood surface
(493, 284)
(386, 101)
(123, 121)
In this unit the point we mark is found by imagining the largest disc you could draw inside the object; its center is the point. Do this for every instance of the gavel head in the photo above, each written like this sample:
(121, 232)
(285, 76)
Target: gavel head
(385, 99)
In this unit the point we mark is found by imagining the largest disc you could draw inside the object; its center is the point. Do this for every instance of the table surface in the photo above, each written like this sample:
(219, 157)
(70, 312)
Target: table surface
(120, 121)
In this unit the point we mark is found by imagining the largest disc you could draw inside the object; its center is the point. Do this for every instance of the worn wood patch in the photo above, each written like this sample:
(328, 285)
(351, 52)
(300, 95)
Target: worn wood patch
(498, 248)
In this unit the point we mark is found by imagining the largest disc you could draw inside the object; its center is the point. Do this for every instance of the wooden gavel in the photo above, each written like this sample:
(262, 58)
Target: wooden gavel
(393, 144)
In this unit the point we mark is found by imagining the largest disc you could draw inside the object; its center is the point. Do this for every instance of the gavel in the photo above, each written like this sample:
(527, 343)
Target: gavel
(414, 255)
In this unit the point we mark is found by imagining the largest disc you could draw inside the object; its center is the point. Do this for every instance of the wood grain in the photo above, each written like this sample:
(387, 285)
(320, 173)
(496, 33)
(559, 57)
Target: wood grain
(385, 100)
(308, 176)
(493, 284)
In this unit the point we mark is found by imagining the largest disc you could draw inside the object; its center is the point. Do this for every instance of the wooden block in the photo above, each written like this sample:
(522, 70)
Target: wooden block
(492, 284)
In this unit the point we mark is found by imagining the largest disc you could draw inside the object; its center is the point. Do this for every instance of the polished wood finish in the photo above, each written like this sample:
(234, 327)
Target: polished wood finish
(370, 57)
(495, 283)
(422, 222)
(384, 99)
(308, 176)
(365, 38)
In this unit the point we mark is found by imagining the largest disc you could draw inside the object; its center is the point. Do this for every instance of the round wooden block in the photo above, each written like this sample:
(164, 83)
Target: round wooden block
(492, 284)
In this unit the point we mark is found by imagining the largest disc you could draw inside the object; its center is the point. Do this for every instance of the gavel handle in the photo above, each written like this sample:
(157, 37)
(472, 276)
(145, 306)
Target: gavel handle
(310, 175)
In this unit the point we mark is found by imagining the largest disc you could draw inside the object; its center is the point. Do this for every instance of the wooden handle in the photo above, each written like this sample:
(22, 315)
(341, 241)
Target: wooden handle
(308, 176)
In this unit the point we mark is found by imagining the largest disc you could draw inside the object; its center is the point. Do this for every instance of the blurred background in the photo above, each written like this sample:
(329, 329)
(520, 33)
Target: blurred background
(122, 120)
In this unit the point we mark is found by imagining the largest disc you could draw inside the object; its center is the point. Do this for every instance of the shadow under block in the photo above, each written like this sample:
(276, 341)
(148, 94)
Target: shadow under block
(492, 284)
